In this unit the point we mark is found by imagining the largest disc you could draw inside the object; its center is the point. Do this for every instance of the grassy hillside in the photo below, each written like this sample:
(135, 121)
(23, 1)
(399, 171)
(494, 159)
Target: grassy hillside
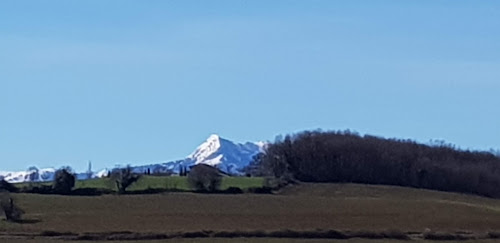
(161, 182)
(346, 207)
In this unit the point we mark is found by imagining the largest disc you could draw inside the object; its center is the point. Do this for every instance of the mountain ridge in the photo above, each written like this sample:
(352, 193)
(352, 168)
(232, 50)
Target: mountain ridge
(215, 151)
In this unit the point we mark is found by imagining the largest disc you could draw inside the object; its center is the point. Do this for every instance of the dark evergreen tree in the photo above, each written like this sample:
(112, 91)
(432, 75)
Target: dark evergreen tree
(6, 186)
(64, 181)
(204, 178)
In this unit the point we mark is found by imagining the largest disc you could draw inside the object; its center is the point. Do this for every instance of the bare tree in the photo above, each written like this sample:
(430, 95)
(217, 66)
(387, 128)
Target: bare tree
(11, 211)
(124, 178)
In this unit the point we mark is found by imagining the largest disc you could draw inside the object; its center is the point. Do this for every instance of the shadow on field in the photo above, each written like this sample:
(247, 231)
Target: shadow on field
(230, 190)
(24, 221)
(153, 191)
(100, 191)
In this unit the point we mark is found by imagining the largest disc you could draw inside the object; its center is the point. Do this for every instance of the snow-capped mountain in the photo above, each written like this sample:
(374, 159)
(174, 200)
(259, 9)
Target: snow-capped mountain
(215, 151)
(224, 154)
(32, 174)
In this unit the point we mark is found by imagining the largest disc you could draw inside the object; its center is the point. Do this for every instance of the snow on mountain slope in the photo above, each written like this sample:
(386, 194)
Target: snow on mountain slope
(47, 174)
(215, 151)
(102, 173)
(32, 174)
(224, 154)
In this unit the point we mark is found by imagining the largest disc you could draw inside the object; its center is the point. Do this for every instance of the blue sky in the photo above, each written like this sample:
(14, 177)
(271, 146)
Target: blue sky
(140, 81)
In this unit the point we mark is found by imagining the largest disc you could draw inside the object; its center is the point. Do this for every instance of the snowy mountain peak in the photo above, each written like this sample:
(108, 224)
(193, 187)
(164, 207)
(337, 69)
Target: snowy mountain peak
(214, 137)
(215, 151)
(226, 155)
(206, 149)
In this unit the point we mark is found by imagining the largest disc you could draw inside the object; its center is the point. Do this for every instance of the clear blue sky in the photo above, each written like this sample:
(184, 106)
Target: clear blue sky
(132, 81)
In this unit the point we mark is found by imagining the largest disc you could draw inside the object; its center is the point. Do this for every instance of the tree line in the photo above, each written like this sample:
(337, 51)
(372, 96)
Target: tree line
(345, 156)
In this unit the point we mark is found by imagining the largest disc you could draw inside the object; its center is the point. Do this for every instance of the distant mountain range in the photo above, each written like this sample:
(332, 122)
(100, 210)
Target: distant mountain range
(224, 154)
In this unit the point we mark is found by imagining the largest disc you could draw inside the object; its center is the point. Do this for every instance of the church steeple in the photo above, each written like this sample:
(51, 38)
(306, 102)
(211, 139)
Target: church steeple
(89, 170)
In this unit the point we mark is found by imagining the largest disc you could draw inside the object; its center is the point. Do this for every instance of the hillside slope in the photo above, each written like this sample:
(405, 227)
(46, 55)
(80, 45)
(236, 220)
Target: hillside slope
(304, 207)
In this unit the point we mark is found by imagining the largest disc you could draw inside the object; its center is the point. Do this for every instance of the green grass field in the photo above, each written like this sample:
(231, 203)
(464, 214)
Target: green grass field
(344, 207)
(161, 182)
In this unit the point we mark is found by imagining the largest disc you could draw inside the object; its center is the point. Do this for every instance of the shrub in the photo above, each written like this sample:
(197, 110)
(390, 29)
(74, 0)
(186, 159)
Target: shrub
(260, 190)
(204, 178)
(278, 183)
(90, 191)
(233, 190)
(64, 181)
(444, 236)
(41, 189)
(396, 234)
(197, 234)
(494, 235)
(50, 233)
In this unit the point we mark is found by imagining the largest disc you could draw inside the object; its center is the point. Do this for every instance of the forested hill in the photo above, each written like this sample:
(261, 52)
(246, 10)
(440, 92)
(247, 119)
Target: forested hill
(345, 156)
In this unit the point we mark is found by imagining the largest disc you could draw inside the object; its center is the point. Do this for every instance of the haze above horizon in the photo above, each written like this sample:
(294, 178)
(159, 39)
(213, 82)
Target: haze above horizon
(129, 81)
